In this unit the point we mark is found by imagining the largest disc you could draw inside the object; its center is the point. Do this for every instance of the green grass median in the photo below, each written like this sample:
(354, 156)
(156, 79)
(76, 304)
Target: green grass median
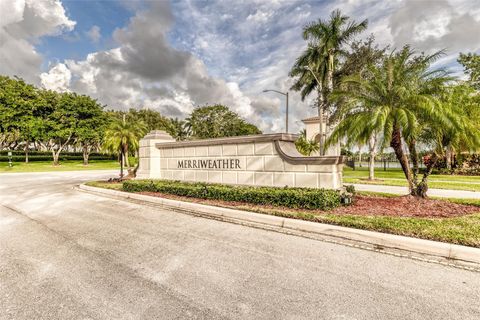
(68, 165)
(395, 177)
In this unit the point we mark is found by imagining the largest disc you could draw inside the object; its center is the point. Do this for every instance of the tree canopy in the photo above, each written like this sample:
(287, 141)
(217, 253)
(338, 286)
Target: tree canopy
(218, 121)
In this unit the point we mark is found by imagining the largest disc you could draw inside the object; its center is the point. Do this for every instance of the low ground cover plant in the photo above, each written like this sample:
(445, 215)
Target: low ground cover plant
(304, 198)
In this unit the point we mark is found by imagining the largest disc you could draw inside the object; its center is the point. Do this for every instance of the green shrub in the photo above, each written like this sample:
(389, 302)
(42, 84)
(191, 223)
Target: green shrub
(304, 198)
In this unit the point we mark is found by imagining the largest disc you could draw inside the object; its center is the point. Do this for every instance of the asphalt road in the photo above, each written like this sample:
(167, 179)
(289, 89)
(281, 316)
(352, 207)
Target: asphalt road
(65, 254)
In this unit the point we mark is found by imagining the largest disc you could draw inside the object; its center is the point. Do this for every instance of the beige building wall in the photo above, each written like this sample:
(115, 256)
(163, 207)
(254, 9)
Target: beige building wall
(262, 160)
(312, 128)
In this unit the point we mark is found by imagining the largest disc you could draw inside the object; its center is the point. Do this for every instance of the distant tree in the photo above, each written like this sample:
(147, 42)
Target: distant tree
(218, 121)
(152, 119)
(61, 121)
(122, 137)
(19, 106)
(178, 129)
(471, 65)
(91, 124)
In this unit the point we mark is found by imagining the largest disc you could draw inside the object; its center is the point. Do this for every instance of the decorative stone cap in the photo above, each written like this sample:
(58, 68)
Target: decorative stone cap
(284, 144)
(230, 140)
(158, 134)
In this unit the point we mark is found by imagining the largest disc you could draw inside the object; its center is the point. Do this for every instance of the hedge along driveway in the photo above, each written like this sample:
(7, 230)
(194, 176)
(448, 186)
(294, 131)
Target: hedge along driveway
(297, 198)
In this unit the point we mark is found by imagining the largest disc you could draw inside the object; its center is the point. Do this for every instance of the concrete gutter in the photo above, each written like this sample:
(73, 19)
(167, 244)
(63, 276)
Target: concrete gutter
(378, 240)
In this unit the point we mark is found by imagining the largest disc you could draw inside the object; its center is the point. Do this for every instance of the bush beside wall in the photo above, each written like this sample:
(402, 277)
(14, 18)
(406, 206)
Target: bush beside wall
(304, 198)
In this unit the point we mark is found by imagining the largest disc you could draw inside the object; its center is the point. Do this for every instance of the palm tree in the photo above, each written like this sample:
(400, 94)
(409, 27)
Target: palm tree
(123, 137)
(316, 66)
(400, 100)
(331, 36)
(304, 145)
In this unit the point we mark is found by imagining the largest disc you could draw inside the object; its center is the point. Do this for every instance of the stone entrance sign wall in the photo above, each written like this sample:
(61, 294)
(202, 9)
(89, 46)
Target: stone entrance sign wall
(260, 160)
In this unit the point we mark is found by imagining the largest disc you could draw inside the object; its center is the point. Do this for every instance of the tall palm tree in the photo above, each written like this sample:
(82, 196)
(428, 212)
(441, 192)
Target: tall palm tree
(122, 137)
(315, 68)
(331, 36)
(400, 100)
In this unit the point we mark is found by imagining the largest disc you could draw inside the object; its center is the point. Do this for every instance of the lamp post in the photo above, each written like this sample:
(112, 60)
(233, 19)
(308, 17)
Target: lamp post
(320, 114)
(286, 112)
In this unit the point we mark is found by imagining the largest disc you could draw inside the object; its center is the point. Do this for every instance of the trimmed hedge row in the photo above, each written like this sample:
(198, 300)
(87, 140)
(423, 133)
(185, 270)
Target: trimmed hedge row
(47, 156)
(297, 198)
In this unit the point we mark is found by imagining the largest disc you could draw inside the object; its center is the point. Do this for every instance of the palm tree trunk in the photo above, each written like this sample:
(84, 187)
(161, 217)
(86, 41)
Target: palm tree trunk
(331, 57)
(396, 144)
(86, 154)
(26, 151)
(372, 145)
(321, 108)
(448, 155)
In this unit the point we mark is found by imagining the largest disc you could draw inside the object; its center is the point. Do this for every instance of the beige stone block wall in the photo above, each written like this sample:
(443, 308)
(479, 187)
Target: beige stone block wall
(260, 165)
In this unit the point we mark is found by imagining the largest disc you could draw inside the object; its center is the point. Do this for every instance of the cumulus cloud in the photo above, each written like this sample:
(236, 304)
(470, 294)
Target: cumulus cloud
(20, 29)
(94, 34)
(58, 78)
(144, 70)
(435, 25)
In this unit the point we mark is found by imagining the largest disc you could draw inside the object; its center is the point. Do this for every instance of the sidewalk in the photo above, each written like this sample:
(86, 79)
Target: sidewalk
(442, 193)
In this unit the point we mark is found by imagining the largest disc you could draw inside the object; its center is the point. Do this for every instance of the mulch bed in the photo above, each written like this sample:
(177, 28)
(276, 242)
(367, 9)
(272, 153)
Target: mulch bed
(402, 206)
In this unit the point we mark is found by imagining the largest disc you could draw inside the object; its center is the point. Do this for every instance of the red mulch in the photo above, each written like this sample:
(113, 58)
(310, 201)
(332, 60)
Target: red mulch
(404, 206)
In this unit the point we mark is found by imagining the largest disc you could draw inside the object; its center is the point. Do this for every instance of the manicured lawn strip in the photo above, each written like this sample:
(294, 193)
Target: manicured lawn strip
(463, 230)
(46, 166)
(106, 185)
(432, 184)
(395, 177)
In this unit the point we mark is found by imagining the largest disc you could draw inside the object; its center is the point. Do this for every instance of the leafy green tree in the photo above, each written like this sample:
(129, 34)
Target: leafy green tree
(306, 146)
(471, 65)
(122, 137)
(91, 124)
(401, 101)
(218, 121)
(60, 122)
(152, 119)
(178, 129)
(465, 102)
(18, 112)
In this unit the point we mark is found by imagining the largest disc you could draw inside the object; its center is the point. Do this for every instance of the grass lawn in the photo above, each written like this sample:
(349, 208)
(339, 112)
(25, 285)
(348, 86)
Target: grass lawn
(70, 165)
(395, 177)
(464, 230)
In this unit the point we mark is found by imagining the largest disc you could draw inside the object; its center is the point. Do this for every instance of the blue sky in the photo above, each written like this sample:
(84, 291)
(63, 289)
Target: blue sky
(173, 56)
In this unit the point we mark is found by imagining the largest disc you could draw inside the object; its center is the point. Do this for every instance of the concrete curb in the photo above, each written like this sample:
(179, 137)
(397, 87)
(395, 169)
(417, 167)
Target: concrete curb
(378, 239)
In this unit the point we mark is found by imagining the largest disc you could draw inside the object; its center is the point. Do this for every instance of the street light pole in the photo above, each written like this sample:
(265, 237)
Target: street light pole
(286, 105)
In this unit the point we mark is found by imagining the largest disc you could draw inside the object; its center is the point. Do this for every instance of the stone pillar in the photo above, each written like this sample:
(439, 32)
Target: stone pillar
(149, 155)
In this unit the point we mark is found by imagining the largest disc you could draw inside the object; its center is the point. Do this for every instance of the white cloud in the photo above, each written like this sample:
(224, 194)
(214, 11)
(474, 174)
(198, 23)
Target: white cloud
(58, 78)
(94, 34)
(21, 28)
